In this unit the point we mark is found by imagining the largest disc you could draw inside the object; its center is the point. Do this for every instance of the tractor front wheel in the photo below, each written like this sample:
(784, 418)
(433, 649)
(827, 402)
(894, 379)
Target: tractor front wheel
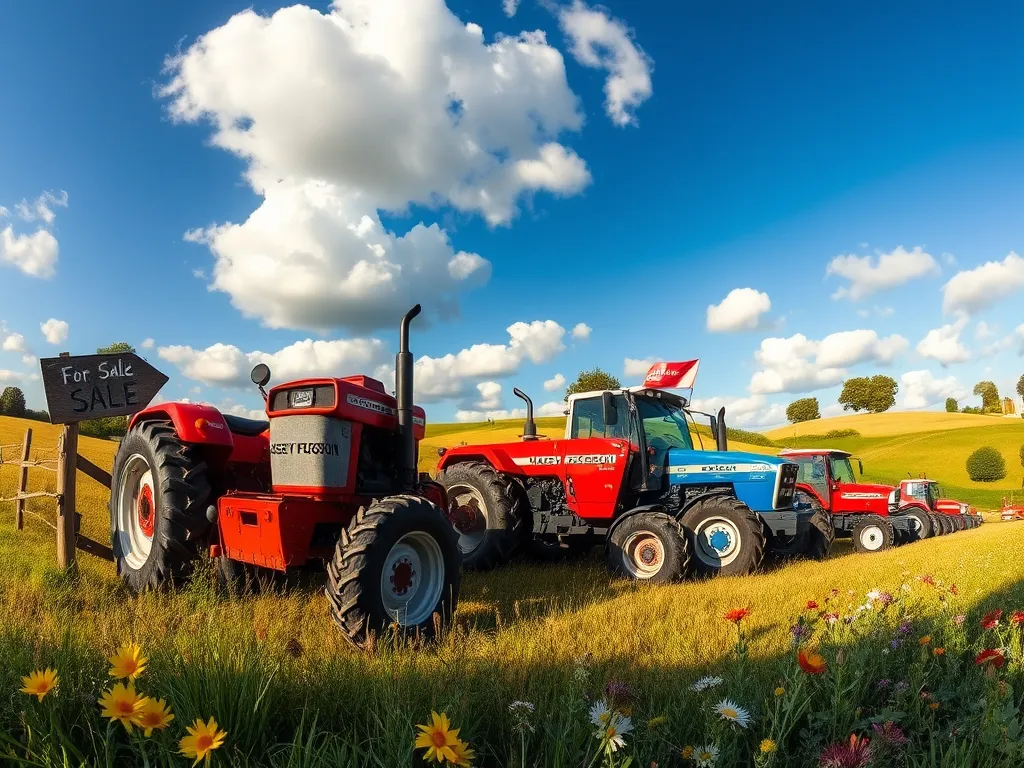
(726, 537)
(947, 524)
(937, 527)
(486, 512)
(920, 524)
(648, 546)
(872, 533)
(821, 534)
(158, 499)
(397, 563)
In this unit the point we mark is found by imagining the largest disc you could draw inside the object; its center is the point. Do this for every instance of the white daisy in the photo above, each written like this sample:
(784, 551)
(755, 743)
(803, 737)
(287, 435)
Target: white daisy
(733, 712)
(873, 595)
(518, 706)
(613, 734)
(706, 682)
(706, 756)
(601, 714)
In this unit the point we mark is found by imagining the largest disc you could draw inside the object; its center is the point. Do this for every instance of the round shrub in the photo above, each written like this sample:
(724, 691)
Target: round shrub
(986, 465)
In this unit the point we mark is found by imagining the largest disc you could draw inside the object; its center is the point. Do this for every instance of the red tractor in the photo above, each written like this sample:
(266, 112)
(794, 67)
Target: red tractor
(947, 515)
(869, 514)
(628, 473)
(329, 480)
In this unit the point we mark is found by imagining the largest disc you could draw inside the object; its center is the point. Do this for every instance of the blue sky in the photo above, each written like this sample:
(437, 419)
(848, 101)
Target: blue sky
(243, 185)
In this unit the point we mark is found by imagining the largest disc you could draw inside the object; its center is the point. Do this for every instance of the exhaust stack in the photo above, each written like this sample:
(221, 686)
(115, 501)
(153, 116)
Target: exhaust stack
(722, 440)
(530, 427)
(403, 393)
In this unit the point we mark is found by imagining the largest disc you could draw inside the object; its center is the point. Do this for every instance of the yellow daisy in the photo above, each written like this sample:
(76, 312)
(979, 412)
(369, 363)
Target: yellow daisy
(40, 682)
(154, 716)
(128, 663)
(202, 739)
(439, 739)
(122, 703)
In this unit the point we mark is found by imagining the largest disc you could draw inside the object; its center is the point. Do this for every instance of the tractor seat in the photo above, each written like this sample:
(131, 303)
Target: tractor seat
(245, 427)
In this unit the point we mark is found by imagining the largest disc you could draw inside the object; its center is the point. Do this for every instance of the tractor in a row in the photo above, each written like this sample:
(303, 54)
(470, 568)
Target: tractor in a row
(874, 516)
(329, 481)
(628, 473)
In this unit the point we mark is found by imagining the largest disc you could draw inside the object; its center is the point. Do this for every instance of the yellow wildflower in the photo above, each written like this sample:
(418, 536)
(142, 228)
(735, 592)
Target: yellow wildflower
(202, 739)
(128, 663)
(40, 682)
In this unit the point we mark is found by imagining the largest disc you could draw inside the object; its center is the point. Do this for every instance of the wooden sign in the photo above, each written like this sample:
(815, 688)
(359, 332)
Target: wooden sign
(95, 386)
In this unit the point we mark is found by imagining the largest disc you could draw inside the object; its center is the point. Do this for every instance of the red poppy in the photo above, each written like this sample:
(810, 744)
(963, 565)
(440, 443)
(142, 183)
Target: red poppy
(991, 619)
(928, 579)
(992, 656)
(810, 662)
(1017, 617)
(811, 605)
(953, 590)
(736, 615)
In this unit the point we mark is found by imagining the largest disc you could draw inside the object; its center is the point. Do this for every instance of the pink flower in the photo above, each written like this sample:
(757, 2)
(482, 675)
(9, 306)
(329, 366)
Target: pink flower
(856, 753)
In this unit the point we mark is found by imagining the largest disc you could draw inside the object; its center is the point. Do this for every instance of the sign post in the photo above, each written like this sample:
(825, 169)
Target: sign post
(81, 388)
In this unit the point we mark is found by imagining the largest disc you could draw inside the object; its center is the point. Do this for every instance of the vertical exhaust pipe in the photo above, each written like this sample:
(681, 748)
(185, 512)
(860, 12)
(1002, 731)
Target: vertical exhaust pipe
(403, 392)
(530, 427)
(721, 439)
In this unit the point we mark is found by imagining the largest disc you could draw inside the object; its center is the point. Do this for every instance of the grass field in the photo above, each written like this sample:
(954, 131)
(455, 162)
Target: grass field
(268, 666)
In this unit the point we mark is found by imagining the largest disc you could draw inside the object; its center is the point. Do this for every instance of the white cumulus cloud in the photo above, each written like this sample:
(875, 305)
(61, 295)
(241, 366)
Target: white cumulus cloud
(797, 364)
(751, 412)
(14, 342)
(370, 107)
(740, 310)
(510, 7)
(638, 368)
(943, 344)
(601, 42)
(35, 254)
(920, 389)
(55, 331)
(975, 289)
(870, 274)
(555, 383)
(581, 331)
(147, 344)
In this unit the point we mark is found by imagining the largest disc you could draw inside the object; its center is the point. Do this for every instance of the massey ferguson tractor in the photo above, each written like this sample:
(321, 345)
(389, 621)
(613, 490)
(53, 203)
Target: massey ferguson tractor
(628, 473)
(330, 479)
(947, 515)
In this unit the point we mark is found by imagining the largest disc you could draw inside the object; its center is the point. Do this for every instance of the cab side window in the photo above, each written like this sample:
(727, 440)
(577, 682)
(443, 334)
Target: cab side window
(588, 419)
(812, 473)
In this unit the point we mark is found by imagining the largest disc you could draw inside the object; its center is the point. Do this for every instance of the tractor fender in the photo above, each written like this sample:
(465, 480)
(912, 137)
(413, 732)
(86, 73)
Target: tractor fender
(194, 423)
(717, 492)
(914, 505)
(636, 511)
(488, 454)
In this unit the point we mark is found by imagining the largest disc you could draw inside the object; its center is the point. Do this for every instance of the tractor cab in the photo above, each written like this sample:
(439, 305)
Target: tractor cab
(925, 491)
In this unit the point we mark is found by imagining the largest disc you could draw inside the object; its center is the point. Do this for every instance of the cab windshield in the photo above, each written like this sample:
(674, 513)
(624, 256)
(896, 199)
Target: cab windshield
(842, 471)
(664, 423)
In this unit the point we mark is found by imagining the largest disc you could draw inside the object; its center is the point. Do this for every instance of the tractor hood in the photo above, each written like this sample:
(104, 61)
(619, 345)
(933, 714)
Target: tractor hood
(759, 480)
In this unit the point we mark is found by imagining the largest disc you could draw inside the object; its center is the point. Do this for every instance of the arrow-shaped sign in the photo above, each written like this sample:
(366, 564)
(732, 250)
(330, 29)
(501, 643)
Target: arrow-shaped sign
(95, 386)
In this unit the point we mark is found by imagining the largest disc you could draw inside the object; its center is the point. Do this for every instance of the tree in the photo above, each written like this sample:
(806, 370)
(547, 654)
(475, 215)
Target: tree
(951, 405)
(1022, 455)
(804, 409)
(12, 403)
(109, 426)
(1020, 387)
(989, 397)
(591, 380)
(986, 465)
(875, 394)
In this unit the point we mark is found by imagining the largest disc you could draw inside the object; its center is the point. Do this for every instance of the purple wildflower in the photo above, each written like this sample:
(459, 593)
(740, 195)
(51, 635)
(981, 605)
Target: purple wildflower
(618, 693)
(895, 643)
(885, 598)
(855, 753)
(904, 628)
(885, 682)
(890, 733)
(959, 619)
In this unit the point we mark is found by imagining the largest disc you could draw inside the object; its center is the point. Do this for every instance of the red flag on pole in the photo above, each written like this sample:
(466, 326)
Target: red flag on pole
(672, 375)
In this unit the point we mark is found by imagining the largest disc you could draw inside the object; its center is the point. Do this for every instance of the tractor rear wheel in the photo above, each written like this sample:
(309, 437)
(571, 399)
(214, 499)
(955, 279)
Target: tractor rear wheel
(158, 500)
(920, 524)
(937, 527)
(821, 534)
(648, 546)
(487, 514)
(872, 533)
(397, 563)
(947, 524)
(726, 537)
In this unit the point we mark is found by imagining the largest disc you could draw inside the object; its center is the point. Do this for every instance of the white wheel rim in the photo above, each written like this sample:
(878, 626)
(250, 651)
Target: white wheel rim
(468, 517)
(871, 538)
(413, 579)
(915, 524)
(718, 541)
(136, 481)
(643, 554)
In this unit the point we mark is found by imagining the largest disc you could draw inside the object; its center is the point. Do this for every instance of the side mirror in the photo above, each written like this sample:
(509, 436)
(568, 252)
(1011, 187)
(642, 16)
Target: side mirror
(260, 375)
(611, 416)
(714, 429)
(860, 466)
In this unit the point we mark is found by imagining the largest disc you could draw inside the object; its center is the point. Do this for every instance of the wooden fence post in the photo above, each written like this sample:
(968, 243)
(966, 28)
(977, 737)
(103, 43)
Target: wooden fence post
(19, 505)
(67, 473)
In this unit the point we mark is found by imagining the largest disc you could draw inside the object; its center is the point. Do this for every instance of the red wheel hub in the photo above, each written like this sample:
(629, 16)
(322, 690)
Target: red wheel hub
(401, 577)
(146, 510)
(467, 518)
(648, 554)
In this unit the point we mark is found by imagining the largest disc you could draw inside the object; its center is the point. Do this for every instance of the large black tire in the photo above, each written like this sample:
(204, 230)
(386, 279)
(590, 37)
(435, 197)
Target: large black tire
(872, 533)
(405, 542)
(947, 524)
(491, 520)
(920, 524)
(240, 578)
(821, 535)
(648, 546)
(158, 499)
(726, 537)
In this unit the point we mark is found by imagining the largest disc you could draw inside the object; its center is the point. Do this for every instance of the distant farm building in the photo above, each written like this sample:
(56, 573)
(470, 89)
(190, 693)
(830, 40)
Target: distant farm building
(1009, 407)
